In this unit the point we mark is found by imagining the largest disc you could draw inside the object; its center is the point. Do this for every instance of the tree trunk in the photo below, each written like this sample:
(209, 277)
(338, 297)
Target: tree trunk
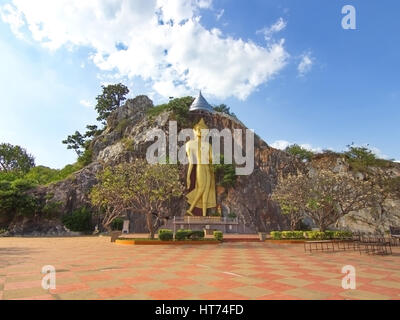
(149, 221)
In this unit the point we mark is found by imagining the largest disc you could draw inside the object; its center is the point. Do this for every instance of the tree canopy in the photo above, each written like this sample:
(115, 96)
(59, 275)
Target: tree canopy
(15, 159)
(299, 152)
(323, 195)
(110, 99)
(137, 186)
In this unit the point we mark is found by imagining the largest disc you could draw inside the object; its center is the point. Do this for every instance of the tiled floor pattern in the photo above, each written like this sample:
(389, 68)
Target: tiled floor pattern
(94, 268)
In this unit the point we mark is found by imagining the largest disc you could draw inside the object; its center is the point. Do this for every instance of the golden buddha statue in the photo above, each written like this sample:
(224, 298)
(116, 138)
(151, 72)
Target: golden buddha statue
(200, 156)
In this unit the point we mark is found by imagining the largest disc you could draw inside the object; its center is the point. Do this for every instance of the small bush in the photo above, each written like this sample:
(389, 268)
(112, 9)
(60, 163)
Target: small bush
(312, 235)
(163, 230)
(218, 235)
(292, 234)
(166, 235)
(117, 224)
(276, 235)
(342, 234)
(315, 235)
(182, 234)
(197, 234)
(78, 220)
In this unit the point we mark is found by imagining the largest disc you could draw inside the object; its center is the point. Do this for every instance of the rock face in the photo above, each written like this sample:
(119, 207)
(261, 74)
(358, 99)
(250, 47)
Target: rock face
(126, 138)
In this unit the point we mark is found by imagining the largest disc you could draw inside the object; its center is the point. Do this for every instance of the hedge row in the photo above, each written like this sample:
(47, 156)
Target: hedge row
(314, 235)
(181, 234)
(186, 234)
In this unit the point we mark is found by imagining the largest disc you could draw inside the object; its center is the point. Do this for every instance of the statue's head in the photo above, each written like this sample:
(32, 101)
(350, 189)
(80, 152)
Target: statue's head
(199, 126)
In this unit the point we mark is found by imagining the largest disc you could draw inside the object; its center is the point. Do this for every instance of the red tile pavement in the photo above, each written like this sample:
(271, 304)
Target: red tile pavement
(95, 268)
(115, 292)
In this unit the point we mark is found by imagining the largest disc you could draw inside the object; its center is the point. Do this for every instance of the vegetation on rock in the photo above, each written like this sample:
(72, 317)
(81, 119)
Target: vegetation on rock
(110, 99)
(179, 108)
(299, 152)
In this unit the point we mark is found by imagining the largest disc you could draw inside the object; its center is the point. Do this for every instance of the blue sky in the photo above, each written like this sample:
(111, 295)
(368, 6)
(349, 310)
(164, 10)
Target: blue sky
(348, 89)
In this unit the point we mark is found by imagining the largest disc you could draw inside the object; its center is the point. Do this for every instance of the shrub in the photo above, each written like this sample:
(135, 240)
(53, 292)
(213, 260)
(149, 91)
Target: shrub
(312, 235)
(315, 235)
(163, 230)
(196, 234)
(182, 234)
(330, 234)
(276, 235)
(117, 224)
(52, 209)
(218, 235)
(166, 235)
(179, 107)
(85, 158)
(78, 220)
(232, 215)
(293, 234)
(225, 174)
(342, 234)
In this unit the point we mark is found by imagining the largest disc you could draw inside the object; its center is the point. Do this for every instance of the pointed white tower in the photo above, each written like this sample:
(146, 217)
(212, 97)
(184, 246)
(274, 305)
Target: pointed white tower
(201, 104)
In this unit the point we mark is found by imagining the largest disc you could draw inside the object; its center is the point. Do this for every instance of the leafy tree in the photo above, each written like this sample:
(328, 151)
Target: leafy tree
(75, 142)
(384, 186)
(15, 200)
(42, 175)
(299, 152)
(362, 158)
(92, 131)
(139, 187)
(324, 196)
(225, 173)
(179, 107)
(290, 194)
(224, 109)
(110, 99)
(79, 220)
(15, 159)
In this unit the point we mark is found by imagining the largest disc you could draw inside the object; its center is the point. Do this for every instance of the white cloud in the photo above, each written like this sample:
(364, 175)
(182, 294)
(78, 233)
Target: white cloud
(220, 14)
(305, 64)
(162, 41)
(280, 144)
(86, 103)
(14, 18)
(268, 32)
(283, 144)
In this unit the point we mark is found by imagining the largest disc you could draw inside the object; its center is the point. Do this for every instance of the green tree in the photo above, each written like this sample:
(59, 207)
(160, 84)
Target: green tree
(92, 131)
(42, 175)
(14, 159)
(75, 142)
(362, 158)
(16, 200)
(224, 109)
(137, 186)
(385, 186)
(110, 99)
(290, 194)
(178, 106)
(225, 173)
(299, 152)
(324, 196)
(79, 220)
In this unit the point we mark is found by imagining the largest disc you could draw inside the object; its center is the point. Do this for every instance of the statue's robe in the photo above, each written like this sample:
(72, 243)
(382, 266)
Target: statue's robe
(211, 196)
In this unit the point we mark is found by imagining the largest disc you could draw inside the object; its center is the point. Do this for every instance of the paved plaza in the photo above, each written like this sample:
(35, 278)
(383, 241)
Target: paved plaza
(95, 268)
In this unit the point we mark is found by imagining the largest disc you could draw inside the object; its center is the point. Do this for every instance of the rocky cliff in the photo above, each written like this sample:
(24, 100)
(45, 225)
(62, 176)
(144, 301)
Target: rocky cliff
(125, 138)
